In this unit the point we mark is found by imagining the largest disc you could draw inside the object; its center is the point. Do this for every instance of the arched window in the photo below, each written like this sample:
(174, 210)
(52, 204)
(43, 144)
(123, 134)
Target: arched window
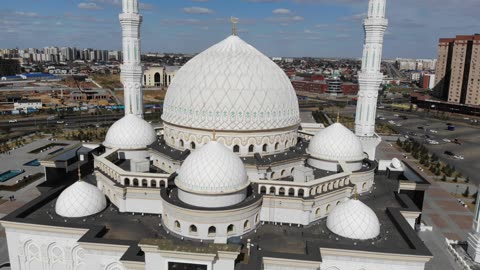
(291, 192)
(277, 146)
(127, 182)
(257, 218)
(327, 209)
(273, 175)
(212, 231)
(264, 148)
(338, 202)
(283, 173)
(144, 183)
(246, 225)
(317, 212)
(192, 145)
(251, 148)
(281, 192)
(181, 143)
(364, 186)
(177, 225)
(263, 190)
(192, 229)
(231, 229)
(301, 193)
(286, 145)
(157, 79)
(272, 190)
(153, 183)
(236, 149)
(135, 182)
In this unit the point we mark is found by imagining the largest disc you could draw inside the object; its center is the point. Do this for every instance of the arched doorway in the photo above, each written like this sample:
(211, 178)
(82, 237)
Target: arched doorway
(157, 79)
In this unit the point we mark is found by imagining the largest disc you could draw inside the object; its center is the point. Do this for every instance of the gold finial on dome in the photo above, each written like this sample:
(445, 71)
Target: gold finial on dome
(234, 22)
(214, 137)
(355, 193)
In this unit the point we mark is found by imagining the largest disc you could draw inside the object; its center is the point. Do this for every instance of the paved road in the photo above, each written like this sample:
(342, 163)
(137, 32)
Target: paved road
(67, 121)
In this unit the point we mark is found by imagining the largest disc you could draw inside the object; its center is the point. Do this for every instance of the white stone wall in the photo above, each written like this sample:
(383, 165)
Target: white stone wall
(211, 200)
(164, 163)
(53, 250)
(263, 142)
(363, 181)
(211, 225)
(363, 263)
(288, 210)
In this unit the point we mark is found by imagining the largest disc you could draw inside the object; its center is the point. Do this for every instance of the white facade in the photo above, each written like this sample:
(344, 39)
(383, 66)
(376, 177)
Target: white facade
(25, 105)
(371, 76)
(132, 70)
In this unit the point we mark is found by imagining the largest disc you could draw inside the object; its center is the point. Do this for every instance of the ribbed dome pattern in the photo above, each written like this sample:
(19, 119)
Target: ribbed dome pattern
(336, 143)
(212, 169)
(355, 220)
(231, 86)
(130, 133)
(80, 200)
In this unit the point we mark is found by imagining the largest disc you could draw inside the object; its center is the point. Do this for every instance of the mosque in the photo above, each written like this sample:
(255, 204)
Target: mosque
(233, 181)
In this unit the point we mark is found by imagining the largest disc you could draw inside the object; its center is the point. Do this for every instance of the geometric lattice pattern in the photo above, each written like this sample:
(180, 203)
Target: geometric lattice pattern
(80, 200)
(129, 133)
(354, 220)
(336, 143)
(231, 86)
(212, 169)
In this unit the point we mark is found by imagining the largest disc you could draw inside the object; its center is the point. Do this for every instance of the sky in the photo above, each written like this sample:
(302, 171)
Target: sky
(289, 28)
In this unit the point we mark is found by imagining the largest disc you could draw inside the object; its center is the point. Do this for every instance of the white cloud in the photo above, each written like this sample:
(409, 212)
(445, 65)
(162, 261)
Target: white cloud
(197, 10)
(284, 20)
(281, 11)
(90, 6)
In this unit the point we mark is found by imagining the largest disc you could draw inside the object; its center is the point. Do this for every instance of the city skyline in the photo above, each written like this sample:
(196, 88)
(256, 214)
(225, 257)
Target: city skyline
(297, 28)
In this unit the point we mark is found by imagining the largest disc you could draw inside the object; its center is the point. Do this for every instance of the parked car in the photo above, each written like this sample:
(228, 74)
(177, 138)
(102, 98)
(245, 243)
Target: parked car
(459, 157)
(447, 140)
(433, 131)
(449, 153)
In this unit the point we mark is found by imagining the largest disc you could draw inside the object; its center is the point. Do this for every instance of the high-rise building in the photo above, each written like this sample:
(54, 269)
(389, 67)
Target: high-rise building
(458, 70)
(371, 77)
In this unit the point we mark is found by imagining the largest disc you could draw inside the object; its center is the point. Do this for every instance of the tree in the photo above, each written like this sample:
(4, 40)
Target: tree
(474, 195)
(467, 180)
(466, 193)
(444, 178)
(399, 142)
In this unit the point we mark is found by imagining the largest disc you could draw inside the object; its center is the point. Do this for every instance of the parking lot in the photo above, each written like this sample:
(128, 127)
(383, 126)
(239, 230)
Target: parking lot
(433, 133)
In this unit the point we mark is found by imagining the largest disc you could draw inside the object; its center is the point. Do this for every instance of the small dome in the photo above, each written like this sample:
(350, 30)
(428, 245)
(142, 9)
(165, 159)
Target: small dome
(80, 200)
(336, 143)
(231, 86)
(212, 169)
(130, 133)
(355, 220)
(396, 163)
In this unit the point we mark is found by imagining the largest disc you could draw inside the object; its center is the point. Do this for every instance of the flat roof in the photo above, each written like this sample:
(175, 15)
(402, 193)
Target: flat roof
(283, 241)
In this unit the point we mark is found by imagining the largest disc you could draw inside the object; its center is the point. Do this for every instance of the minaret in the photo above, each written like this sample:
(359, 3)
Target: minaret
(132, 70)
(474, 237)
(370, 78)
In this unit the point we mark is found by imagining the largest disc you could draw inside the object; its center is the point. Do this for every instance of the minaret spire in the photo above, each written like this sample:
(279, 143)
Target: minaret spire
(371, 77)
(132, 70)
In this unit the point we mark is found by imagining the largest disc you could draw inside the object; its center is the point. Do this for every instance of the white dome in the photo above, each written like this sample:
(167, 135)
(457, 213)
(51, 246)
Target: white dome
(231, 86)
(336, 143)
(80, 200)
(353, 219)
(212, 169)
(130, 133)
(396, 163)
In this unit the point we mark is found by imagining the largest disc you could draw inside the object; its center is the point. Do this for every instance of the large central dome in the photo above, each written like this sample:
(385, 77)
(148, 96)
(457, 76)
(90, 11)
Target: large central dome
(231, 86)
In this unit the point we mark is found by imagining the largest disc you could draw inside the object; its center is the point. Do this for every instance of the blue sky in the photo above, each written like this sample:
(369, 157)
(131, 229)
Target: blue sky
(316, 28)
